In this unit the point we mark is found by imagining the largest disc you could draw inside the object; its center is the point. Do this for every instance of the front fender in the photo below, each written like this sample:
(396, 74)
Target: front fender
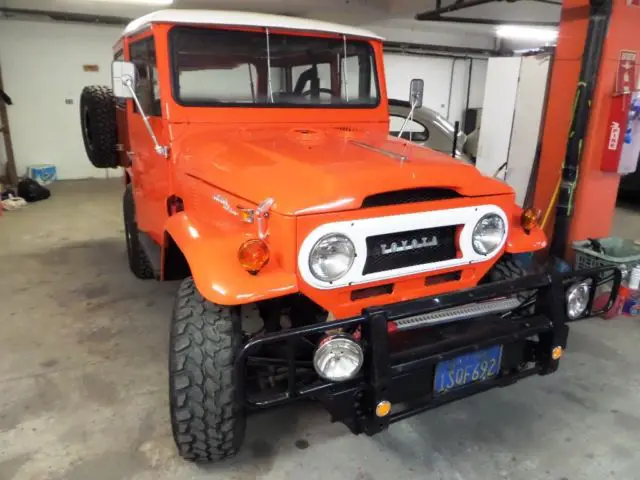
(520, 241)
(216, 271)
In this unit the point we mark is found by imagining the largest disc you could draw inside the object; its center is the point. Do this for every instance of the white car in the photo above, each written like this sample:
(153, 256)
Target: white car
(427, 127)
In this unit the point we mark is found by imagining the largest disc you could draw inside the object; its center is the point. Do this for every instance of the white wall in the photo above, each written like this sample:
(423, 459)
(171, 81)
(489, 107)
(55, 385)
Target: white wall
(446, 81)
(530, 102)
(42, 65)
(499, 104)
(431, 33)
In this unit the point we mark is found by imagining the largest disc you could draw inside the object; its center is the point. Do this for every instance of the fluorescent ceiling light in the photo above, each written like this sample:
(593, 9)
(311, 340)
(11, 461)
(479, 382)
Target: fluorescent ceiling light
(527, 33)
(137, 2)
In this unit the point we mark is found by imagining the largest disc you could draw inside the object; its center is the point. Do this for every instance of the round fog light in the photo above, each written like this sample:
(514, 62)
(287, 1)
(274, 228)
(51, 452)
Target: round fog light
(338, 358)
(578, 299)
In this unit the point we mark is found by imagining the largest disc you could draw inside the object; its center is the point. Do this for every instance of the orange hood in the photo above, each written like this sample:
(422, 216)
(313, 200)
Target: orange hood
(321, 170)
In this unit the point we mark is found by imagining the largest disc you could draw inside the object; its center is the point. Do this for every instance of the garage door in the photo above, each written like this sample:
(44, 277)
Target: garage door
(43, 70)
(436, 73)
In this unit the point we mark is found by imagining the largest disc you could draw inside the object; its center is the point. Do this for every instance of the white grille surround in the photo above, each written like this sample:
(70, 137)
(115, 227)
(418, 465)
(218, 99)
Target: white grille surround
(358, 231)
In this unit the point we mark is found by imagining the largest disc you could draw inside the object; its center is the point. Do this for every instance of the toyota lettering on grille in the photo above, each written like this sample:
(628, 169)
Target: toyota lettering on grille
(413, 244)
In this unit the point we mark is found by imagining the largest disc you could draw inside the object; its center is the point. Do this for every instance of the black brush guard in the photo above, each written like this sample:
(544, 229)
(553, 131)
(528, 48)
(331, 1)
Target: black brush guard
(400, 367)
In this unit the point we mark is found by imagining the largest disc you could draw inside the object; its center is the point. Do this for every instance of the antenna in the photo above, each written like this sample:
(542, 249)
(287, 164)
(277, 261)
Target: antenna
(344, 68)
(270, 88)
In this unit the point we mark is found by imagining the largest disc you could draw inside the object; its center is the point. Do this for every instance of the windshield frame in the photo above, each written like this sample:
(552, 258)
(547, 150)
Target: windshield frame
(174, 72)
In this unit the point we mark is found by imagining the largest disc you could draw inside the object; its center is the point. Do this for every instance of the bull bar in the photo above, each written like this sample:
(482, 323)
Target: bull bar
(400, 368)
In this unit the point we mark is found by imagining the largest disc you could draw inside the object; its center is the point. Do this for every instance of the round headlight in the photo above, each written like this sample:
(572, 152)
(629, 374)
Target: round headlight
(488, 234)
(331, 257)
(338, 358)
(578, 299)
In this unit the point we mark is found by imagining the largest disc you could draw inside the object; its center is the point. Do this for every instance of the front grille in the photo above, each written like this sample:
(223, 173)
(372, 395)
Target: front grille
(410, 195)
(406, 249)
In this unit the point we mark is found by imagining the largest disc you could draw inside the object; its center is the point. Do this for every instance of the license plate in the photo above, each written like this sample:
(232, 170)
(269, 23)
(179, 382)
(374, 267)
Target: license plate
(469, 368)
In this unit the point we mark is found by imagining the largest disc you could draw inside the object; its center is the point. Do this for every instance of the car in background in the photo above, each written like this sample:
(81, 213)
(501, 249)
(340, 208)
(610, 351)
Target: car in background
(427, 128)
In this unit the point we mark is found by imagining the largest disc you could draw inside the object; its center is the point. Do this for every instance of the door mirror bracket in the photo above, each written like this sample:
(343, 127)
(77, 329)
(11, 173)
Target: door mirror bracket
(123, 82)
(416, 94)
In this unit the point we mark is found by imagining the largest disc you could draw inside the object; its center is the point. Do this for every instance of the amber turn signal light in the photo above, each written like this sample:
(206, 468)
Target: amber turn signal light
(556, 353)
(383, 408)
(253, 255)
(530, 219)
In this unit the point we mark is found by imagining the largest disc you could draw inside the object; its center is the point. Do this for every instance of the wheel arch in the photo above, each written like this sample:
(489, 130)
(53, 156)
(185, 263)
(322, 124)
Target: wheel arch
(191, 248)
(174, 263)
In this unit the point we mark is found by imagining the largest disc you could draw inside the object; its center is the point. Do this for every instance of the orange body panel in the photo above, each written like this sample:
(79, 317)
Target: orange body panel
(595, 197)
(318, 164)
(215, 269)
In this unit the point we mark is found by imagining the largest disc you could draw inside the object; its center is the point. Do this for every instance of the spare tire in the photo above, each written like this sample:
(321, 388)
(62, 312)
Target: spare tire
(99, 131)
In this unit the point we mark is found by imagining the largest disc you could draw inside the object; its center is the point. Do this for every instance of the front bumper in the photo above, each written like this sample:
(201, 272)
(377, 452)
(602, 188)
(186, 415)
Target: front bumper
(399, 366)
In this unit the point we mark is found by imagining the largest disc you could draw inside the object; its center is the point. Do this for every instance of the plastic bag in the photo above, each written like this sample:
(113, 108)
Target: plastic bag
(32, 191)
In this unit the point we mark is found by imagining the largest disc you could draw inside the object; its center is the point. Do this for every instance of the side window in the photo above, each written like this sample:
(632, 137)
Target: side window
(121, 103)
(143, 55)
(413, 131)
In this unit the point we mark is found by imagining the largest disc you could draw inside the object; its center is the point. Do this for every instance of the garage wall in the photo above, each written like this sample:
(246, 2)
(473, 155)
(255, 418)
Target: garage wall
(430, 33)
(446, 81)
(3, 156)
(42, 65)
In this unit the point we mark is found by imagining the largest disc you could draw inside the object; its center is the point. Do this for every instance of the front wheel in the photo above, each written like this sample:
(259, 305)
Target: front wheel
(510, 268)
(207, 411)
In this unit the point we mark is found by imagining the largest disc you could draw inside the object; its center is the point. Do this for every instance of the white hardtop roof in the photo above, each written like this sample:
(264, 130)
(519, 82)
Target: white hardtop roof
(243, 19)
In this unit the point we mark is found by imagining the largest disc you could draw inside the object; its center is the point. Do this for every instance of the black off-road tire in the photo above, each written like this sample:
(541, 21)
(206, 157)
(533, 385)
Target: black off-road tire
(138, 260)
(207, 411)
(99, 130)
(508, 268)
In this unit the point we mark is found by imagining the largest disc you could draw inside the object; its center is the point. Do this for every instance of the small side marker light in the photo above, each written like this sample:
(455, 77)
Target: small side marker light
(556, 353)
(383, 408)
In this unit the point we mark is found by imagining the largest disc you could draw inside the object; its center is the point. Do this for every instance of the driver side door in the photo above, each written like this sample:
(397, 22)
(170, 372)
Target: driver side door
(150, 170)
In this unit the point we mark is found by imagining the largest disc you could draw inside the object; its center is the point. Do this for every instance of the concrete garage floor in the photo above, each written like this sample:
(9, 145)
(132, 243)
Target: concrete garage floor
(83, 381)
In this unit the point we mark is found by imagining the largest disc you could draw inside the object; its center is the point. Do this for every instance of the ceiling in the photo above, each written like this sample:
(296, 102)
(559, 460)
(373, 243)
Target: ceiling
(345, 11)
(393, 19)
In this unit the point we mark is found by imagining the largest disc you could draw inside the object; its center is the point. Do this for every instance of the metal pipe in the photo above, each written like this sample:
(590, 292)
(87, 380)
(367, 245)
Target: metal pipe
(456, 131)
(488, 21)
(438, 50)
(67, 16)
(466, 105)
(430, 15)
(453, 67)
(600, 13)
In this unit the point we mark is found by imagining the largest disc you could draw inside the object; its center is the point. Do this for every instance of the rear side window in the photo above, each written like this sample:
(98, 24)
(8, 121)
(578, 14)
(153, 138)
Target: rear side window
(143, 56)
(413, 130)
(121, 103)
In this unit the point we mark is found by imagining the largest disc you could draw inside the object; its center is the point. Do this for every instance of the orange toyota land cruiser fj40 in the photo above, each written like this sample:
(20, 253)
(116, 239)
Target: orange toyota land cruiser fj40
(318, 256)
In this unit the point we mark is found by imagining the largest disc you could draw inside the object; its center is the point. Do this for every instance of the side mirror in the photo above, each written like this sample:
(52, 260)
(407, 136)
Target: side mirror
(416, 92)
(123, 76)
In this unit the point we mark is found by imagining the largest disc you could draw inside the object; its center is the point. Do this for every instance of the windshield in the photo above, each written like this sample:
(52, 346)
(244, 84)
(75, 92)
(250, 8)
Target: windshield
(231, 67)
